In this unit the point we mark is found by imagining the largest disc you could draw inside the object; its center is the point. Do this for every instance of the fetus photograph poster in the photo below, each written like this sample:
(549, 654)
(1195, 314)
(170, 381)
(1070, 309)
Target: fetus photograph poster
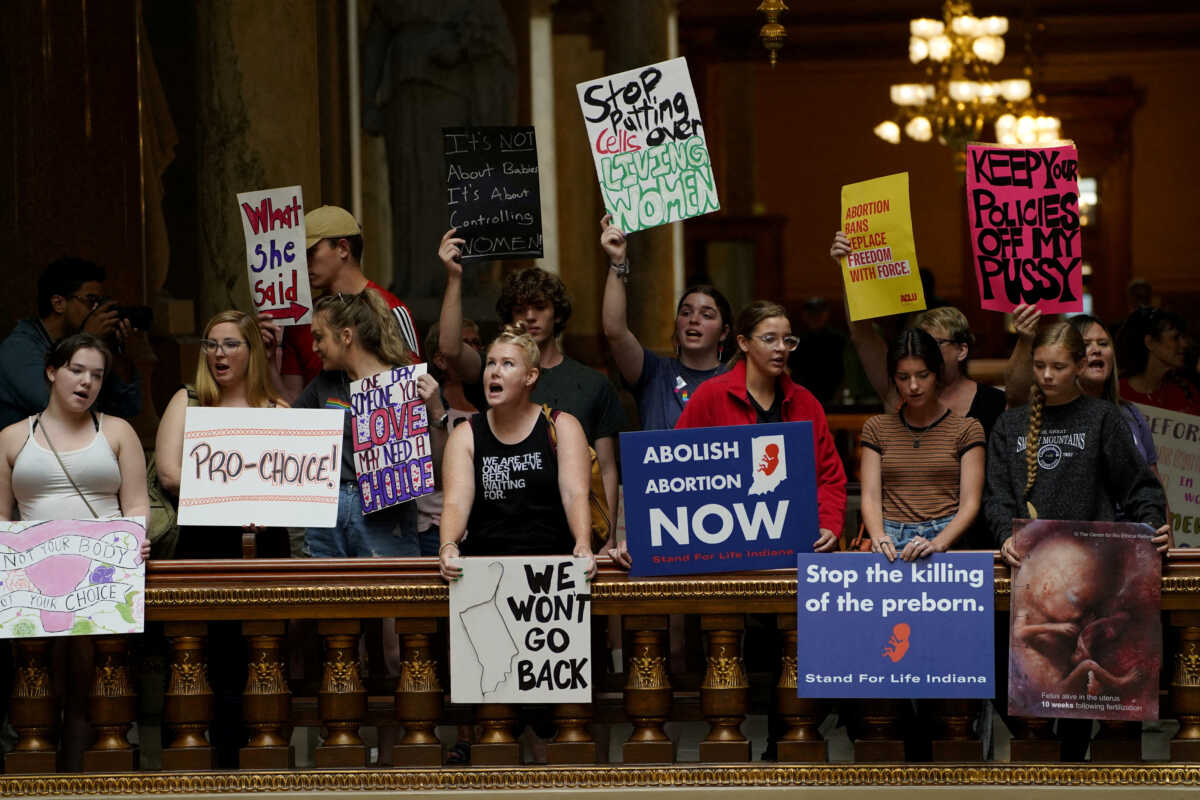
(1085, 638)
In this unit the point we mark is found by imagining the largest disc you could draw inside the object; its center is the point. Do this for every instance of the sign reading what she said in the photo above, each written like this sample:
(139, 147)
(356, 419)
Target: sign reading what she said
(895, 629)
(724, 499)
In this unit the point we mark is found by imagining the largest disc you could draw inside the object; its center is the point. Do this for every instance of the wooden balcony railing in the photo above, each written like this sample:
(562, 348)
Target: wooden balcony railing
(338, 596)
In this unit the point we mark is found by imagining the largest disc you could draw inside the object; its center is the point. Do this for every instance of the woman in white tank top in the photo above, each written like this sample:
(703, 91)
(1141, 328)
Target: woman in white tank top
(105, 459)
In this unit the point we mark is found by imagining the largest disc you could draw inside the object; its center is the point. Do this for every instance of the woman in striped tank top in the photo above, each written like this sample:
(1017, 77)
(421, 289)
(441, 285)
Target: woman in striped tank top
(923, 466)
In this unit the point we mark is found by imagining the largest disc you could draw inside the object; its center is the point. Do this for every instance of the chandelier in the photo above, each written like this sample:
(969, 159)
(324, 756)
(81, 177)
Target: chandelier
(959, 99)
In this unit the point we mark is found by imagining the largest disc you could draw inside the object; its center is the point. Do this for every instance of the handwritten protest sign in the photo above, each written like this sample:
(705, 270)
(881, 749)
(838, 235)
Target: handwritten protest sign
(1085, 638)
(266, 466)
(1023, 213)
(391, 438)
(881, 273)
(273, 223)
(724, 499)
(895, 629)
(493, 193)
(72, 577)
(1177, 440)
(648, 143)
(520, 631)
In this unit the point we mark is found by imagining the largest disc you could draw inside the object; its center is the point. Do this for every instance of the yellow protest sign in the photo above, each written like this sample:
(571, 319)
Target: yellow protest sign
(880, 274)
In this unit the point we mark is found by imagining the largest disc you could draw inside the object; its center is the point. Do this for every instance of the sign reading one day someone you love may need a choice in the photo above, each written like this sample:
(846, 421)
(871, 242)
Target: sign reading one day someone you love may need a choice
(719, 499)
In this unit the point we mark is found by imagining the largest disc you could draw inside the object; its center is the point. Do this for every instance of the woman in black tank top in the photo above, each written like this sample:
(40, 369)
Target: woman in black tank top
(505, 481)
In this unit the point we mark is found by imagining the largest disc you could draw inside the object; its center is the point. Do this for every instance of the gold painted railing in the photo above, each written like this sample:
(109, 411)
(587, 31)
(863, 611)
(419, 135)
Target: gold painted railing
(264, 595)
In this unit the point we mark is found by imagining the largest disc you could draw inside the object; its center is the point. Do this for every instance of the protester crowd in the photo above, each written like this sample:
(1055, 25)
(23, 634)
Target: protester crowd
(944, 459)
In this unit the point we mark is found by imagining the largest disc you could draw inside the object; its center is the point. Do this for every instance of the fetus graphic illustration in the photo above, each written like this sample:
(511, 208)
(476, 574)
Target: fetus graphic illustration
(770, 463)
(897, 646)
(489, 637)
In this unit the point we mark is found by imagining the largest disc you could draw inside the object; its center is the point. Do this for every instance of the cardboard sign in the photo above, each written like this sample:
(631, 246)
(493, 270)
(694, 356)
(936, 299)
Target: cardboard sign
(727, 499)
(1178, 446)
(392, 455)
(1023, 213)
(648, 143)
(492, 191)
(262, 466)
(273, 223)
(881, 273)
(1085, 638)
(521, 631)
(867, 627)
(72, 577)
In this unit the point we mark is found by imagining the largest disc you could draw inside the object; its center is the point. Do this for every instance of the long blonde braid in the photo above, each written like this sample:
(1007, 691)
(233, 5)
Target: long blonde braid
(1031, 447)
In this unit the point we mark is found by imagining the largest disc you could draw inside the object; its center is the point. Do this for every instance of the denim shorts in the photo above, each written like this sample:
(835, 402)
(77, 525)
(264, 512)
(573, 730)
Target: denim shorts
(389, 533)
(901, 533)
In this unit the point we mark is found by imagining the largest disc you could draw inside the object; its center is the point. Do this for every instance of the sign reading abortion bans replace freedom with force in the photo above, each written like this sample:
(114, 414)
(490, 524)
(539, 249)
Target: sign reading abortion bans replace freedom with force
(724, 499)
(646, 137)
(273, 224)
(881, 273)
(391, 438)
(1023, 213)
(492, 191)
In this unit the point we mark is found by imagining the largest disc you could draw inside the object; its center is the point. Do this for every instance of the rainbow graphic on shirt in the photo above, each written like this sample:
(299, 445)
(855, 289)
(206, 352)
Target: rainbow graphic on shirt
(335, 402)
(681, 390)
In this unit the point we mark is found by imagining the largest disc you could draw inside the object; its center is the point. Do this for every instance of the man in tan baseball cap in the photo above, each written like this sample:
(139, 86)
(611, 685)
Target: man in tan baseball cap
(329, 222)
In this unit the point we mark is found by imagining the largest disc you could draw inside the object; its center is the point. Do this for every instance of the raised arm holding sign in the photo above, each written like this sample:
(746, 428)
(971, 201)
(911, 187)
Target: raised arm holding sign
(273, 224)
(880, 271)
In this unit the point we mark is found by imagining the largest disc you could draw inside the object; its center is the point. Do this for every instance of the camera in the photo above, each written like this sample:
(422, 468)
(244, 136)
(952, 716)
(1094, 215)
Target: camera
(140, 317)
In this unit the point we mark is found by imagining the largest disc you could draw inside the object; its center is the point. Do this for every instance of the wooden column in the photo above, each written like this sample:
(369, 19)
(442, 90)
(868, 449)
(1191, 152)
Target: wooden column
(573, 743)
(113, 708)
(881, 731)
(188, 703)
(496, 746)
(342, 700)
(31, 710)
(647, 691)
(1033, 740)
(267, 700)
(953, 740)
(724, 694)
(802, 741)
(419, 696)
(1117, 741)
(1185, 686)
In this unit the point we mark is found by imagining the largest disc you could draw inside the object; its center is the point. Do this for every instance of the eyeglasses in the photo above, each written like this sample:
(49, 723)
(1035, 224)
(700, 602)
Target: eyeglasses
(227, 346)
(770, 340)
(942, 342)
(89, 300)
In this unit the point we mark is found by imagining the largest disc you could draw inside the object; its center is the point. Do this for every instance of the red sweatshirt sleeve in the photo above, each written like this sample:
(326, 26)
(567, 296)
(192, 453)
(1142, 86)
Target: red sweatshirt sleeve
(831, 477)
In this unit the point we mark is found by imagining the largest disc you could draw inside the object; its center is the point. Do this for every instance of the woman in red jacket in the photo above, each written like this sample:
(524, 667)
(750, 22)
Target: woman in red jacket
(757, 388)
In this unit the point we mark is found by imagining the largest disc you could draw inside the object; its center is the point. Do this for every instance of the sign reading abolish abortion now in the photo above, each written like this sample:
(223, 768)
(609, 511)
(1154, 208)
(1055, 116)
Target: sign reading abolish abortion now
(391, 438)
(273, 224)
(894, 629)
(1023, 211)
(492, 191)
(266, 466)
(881, 273)
(719, 499)
(645, 135)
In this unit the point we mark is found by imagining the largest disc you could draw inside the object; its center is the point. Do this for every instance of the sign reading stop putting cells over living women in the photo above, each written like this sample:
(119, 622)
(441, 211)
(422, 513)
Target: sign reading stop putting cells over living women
(867, 627)
(391, 438)
(261, 466)
(1177, 440)
(273, 224)
(72, 577)
(724, 499)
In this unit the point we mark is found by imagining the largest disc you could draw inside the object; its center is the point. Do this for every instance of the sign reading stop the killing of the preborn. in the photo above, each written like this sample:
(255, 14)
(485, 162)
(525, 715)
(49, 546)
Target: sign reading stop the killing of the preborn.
(391, 438)
(1023, 213)
(867, 627)
(1177, 440)
(880, 273)
(719, 499)
(492, 191)
(261, 466)
(72, 577)
(273, 223)
(520, 631)
(646, 137)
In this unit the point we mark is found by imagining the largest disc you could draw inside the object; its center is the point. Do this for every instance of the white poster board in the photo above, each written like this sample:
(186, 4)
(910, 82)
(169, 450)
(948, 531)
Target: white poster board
(72, 577)
(520, 631)
(261, 466)
(1177, 439)
(645, 135)
(392, 456)
(276, 255)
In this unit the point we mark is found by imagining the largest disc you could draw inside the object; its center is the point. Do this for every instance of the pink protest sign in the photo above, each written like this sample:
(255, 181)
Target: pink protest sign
(1023, 212)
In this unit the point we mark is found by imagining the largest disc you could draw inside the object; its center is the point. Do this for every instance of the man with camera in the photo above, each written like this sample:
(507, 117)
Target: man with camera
(70, 300)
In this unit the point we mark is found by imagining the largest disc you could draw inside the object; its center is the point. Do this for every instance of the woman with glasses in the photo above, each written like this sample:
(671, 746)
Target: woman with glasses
(757, 389)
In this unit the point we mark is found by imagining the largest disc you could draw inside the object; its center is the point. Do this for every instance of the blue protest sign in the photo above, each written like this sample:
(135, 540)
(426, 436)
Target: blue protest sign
(870, 628)
(725, 499)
